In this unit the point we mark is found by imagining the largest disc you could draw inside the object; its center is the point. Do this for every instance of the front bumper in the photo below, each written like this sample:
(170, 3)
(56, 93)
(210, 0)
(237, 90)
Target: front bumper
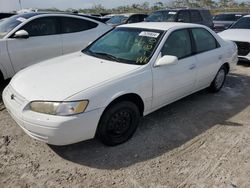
(55, 130)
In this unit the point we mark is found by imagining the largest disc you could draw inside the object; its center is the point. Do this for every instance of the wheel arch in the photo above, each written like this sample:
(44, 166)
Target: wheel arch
(132, 97)
(227, 66)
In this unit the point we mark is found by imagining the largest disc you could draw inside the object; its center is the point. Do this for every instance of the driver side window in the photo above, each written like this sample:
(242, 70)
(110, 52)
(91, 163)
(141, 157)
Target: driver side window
(42, 27)
(178, 44)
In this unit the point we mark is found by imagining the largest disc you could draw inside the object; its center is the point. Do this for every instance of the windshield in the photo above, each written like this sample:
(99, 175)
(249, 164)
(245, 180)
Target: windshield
(8, 24)
(162, 16)
(117, 20)
(243, 23)
(126, 45)
(227, 17)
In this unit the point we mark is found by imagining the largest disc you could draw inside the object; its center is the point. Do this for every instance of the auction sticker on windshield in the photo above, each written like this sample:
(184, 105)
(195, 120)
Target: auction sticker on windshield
(149, 34)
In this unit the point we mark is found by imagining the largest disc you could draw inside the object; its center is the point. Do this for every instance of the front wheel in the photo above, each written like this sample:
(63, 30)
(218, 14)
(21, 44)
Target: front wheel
(219, 80)
(118, 123)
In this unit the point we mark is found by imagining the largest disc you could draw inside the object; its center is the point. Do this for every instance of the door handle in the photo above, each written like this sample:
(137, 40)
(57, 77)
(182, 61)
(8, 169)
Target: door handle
(193, 66)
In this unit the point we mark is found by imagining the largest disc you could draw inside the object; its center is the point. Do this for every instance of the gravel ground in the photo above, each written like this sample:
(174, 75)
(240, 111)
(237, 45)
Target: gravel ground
(200, 141)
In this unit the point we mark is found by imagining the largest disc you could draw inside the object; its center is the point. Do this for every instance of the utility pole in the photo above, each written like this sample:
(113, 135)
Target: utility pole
(20, 4)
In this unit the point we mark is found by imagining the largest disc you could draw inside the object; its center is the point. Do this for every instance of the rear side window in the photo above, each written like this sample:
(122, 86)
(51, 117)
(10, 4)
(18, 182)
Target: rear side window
(195, 16)
(206, 14)
(143, 17)
(204, 40)
(134, 19)
(178, 44)
(42, 27)
(73, 25)
(184, 16)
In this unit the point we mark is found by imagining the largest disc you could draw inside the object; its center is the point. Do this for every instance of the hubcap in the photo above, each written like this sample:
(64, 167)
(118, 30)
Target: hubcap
(220, 78)
(119, 123)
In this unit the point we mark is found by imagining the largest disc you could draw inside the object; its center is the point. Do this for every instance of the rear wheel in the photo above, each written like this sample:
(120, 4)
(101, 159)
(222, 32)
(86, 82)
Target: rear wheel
(118, 123)
(219, 80)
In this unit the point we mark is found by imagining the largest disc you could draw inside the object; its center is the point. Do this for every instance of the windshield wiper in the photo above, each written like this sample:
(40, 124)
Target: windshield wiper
(109, 56)
(105, 55)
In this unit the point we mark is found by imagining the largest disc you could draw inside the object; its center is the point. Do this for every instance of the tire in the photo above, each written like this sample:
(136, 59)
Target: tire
(219, 80)
(118, 123)
(1, 79)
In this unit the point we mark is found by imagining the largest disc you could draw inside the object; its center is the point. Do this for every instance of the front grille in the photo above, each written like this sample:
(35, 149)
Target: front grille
(243, 48)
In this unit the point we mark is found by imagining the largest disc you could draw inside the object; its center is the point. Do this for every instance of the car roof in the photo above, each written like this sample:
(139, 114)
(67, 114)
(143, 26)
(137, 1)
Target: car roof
(32, 14)
(159, 25)
(247, 15)
(178, 9)
(242, 13)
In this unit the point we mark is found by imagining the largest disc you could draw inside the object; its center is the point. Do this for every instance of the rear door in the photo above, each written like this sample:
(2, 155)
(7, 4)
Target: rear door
(44, 42)
(78, 32)
(208, 55)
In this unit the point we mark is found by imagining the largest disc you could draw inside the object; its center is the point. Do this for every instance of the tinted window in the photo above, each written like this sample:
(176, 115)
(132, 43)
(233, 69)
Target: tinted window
(204, 40)
(42, 27)
(5, 15)
(227, 17)
(206, 14)
(72, 25)
(243, 23)
(183, 16)
(134, 19)
(178, 44)
(117, 19)
(142, 17)
(162, 16)
(195, 16)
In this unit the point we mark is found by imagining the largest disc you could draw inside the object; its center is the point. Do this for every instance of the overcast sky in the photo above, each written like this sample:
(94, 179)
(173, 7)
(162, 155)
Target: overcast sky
(10, 5)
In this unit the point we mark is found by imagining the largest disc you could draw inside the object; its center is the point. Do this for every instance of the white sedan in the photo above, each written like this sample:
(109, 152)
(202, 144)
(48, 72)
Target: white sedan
(240, 34)
(130, 72)
(29, 38)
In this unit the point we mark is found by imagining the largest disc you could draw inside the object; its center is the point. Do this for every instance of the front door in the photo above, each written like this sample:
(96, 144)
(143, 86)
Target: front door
(43, 43)
(171, 82)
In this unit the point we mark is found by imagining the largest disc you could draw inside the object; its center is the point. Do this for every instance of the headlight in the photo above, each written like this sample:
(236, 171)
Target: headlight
(59, 108)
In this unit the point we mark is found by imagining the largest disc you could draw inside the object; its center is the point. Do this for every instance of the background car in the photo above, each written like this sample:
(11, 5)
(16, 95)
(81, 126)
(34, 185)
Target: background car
(225, 20)
(127, 73)
(240, 34)
(6, 15)
(198, 16)
(30, 38)
(126, 18)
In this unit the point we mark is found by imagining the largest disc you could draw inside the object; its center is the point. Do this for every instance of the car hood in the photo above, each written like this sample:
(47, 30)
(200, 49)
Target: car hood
(59, 78)
(236, 34)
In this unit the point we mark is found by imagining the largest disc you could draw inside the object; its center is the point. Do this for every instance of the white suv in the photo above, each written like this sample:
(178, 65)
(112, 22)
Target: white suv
(33, 37)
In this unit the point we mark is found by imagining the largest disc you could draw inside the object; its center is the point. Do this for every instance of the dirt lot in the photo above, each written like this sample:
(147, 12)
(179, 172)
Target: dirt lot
(200, 141)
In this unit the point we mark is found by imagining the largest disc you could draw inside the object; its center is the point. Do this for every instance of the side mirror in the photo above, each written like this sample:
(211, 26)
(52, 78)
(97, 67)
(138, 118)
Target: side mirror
(166, 60)
(21, 34)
